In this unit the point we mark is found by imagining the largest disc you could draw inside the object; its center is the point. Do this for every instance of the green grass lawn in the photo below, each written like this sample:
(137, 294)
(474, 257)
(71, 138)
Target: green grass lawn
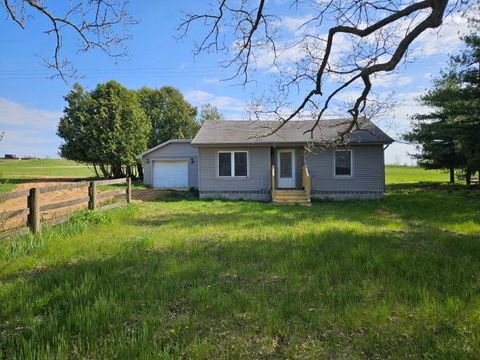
(394, 278)
(395, 174)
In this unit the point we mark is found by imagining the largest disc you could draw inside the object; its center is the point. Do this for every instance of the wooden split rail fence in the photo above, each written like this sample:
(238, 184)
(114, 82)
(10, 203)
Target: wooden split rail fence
(35, 209)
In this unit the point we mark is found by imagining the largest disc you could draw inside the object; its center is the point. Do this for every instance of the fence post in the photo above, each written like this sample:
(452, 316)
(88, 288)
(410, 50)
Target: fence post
(129, 189)
(34, 211)
(92, 195)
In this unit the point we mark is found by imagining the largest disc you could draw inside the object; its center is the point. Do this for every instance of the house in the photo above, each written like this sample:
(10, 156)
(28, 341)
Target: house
(244, 160)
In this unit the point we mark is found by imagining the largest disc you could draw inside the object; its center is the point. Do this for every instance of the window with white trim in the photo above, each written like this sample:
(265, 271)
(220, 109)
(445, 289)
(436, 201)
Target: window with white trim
(233, 163)
(343, 163)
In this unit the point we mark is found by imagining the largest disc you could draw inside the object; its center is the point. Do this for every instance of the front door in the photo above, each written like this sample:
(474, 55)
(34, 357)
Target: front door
(286, 169)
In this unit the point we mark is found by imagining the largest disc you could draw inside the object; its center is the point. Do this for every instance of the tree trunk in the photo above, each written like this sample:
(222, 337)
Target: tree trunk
(114, 170)
(468, 176)
(105, 171)
(117, 171)
(96, 170)
(140, 171)
(452, 176)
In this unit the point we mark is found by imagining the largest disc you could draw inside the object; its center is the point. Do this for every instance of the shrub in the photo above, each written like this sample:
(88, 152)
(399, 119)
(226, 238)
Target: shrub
(191, 194)
(91, 217)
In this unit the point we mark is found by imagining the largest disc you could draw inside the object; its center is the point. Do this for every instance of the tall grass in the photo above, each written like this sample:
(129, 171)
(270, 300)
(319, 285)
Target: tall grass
(394, 278)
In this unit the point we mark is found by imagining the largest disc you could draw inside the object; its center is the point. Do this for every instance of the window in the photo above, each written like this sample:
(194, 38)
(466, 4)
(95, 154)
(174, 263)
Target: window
(224, 164)
(286, 164)
(343, 163)
(233, 163)
(240, 164)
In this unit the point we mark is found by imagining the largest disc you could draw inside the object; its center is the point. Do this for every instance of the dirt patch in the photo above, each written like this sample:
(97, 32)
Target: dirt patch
(56, 167)
(47, 198)
(61, 196)
(149, 194)
(41, 178)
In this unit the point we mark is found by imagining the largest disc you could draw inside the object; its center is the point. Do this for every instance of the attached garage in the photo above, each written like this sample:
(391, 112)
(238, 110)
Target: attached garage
(171, 165)
(170, 174)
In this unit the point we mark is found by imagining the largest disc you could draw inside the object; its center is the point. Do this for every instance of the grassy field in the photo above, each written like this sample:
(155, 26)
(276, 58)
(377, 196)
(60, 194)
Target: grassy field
(395, 174)
(17, 172)
(395, 278)
(45, 167)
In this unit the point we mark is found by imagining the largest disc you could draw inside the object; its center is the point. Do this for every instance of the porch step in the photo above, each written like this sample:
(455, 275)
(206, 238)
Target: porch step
(290, 192)
(291, 197)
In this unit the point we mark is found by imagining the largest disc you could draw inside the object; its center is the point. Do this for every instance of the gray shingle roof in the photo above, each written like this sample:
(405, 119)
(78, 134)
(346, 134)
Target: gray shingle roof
(232, 132)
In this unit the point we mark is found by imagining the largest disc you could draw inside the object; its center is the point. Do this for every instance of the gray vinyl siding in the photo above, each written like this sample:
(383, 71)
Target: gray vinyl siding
(368, 170)
(258, 170)
(173, 151)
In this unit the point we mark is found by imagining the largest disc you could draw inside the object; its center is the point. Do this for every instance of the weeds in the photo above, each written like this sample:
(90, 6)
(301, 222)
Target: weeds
(390, 279)
(91, 217)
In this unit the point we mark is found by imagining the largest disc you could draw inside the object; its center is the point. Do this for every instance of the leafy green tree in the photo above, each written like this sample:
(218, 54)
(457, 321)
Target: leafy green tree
(448, 136)
(170, 115)
(74, 126)
(105, 127)
(434, 133)
(209, 112)
(465, 71)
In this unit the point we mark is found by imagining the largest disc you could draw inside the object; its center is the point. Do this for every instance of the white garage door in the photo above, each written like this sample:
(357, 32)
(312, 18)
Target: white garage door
(170, 174)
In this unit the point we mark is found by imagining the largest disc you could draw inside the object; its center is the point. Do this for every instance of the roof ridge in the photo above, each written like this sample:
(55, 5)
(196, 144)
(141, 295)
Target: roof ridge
(295, 131)
(255, 121)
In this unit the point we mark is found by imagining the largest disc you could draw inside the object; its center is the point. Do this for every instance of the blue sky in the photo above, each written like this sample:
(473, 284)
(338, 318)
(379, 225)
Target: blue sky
(31, 103)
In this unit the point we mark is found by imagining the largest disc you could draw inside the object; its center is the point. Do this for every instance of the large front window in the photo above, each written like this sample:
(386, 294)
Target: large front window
(233, 163)
(343, 163)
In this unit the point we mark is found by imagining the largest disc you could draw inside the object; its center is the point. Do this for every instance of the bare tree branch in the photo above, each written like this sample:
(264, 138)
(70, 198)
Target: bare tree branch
(98, 24)
(380, 33)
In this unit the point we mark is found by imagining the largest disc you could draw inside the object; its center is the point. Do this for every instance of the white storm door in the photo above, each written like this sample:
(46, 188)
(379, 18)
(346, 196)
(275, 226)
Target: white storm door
(286, 169)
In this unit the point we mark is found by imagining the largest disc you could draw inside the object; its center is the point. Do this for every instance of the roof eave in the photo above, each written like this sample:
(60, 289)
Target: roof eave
(159, 146)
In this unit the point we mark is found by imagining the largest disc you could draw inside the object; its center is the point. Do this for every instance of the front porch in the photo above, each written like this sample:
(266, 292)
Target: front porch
(290, 178)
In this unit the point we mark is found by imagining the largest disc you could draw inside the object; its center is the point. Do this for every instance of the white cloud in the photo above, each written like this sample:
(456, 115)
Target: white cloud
(228, 106)
(296, 25)
(211, 80)
(443, 40)
(284, 55)
(13, 113)
(391, 80)
(28, 131)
